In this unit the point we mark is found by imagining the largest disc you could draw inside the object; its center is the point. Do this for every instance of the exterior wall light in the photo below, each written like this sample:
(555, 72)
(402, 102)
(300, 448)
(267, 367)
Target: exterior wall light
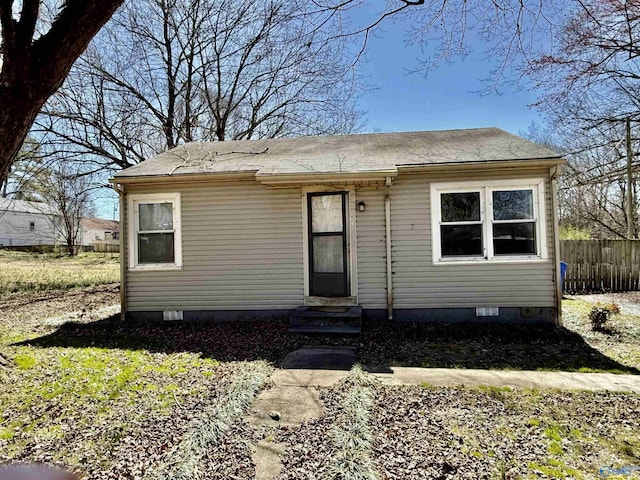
(361, 206)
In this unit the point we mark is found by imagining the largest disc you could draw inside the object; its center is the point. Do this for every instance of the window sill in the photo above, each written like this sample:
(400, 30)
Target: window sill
(492, 261)
(155, 268)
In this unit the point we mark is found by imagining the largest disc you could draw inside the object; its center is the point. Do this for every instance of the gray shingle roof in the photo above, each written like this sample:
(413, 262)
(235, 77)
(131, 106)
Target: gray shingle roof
(374, 152)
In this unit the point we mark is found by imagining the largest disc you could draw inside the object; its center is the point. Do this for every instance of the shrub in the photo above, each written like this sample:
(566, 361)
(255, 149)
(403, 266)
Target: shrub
(600, 315)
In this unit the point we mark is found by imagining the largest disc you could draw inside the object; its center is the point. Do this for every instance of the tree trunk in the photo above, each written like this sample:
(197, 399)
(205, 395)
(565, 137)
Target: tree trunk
(32, 71)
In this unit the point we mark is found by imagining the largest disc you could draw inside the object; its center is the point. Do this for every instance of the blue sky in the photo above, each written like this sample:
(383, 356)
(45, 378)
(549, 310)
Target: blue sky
(447, 98)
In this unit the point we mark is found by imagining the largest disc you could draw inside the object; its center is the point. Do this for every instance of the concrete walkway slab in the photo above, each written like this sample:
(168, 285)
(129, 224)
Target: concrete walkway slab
(293, 404)
(517, 379)
(267, 457)
(306, 377)
(293, 398)
(321, 358)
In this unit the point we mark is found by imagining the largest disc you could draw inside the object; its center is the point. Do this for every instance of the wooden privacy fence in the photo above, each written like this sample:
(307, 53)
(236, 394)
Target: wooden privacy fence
(106, 246)
(601, 265)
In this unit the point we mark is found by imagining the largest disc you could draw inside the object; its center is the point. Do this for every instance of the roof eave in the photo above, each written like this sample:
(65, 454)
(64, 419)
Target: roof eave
(483, 165)
(183, 177)
(337, 177)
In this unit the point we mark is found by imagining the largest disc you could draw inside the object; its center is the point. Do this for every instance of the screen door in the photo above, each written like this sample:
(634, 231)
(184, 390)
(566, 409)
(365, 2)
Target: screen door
(327, 244)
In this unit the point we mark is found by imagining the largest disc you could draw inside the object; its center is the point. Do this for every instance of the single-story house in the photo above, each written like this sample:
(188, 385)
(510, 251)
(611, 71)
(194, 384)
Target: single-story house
(438, 225)
(26, 224)
(98, 230)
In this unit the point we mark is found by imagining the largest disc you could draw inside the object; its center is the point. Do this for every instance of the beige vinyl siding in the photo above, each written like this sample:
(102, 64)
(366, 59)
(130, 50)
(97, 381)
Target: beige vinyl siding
(370, 232)
(241, 249)
(417, 283)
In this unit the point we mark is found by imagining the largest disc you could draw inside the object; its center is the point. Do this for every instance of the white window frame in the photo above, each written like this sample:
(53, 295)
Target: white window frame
(486, 189)
(133, 201)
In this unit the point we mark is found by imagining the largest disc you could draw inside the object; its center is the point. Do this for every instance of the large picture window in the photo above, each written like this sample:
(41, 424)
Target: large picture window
(496, 221)
(155, 231)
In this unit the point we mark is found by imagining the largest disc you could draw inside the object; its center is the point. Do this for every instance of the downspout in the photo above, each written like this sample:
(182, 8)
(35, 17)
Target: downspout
(123, 269)
(555, 171)
(387, 216)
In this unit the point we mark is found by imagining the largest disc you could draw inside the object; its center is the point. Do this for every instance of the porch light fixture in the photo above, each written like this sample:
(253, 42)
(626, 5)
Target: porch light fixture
(361, 206)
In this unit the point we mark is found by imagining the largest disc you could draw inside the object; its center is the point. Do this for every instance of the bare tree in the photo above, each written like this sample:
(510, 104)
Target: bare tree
(590, 86)
(593, 190)
(207, 70)
(596, 184)
(34, 63)
(597, 53)
(514, 33)
(67, 191)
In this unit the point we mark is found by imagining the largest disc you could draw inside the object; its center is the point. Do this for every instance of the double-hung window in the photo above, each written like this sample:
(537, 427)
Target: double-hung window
(155, 233)
(494, 221)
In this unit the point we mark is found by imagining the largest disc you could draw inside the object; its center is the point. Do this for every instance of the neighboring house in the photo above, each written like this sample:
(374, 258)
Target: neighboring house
(27, 224)
(98, 230)
(444, 225)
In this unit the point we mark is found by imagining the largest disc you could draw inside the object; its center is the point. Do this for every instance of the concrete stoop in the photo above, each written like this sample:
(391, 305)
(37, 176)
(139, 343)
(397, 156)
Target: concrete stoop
(335, 320)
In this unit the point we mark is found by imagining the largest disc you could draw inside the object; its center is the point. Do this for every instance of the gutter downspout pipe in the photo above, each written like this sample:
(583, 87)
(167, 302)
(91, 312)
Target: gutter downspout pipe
(554, 173)
(387, 215)
(123, 271)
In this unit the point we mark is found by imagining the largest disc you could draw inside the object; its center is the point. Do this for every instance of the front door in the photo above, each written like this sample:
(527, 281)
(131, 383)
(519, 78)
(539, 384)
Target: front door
(328, 244)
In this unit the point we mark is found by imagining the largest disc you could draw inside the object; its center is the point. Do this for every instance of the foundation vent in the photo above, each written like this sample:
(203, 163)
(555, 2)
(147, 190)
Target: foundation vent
(172, 315)
(487, 311)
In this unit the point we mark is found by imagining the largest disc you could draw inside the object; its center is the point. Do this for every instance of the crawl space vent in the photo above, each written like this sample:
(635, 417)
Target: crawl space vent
(172, 315)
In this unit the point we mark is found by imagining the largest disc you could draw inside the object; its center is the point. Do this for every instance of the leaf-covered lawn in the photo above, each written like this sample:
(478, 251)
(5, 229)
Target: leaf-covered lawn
(117, 400)
(426, 432)
(116, 412)
(78, 406)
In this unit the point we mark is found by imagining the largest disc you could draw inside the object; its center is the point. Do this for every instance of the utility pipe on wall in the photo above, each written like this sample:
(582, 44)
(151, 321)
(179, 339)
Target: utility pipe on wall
(123, 269)
(387, 216)
(555, 171)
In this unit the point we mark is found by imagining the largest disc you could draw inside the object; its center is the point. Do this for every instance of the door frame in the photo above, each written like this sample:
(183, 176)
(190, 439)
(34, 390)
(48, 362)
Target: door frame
(351, 257)
(313, 288)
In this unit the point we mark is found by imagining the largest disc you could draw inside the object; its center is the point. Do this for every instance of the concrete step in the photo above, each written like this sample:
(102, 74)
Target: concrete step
(339, 320)
(327, 330)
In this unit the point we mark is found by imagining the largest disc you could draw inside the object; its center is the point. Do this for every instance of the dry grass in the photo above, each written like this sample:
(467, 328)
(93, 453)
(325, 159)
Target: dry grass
(32, 272)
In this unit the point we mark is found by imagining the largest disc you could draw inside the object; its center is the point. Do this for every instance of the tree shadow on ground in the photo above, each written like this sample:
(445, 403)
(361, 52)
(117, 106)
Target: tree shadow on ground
(485, 346)
(380, 346)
